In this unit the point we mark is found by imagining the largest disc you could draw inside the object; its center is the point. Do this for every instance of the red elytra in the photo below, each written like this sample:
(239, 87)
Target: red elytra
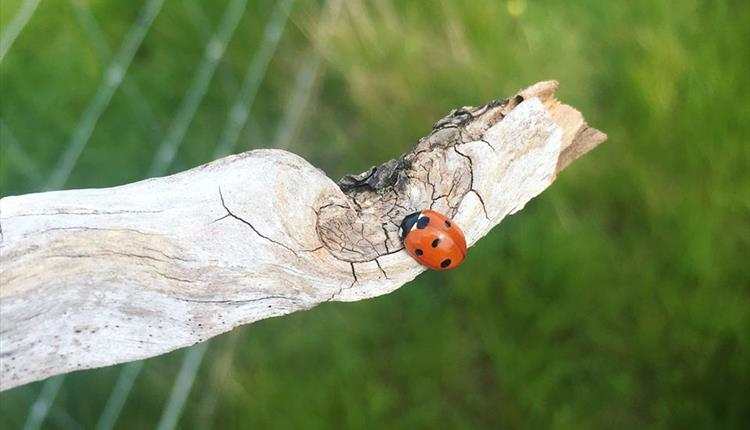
(433, 240)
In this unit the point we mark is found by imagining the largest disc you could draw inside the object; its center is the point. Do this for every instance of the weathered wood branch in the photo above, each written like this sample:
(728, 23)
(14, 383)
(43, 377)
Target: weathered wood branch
(91, 278)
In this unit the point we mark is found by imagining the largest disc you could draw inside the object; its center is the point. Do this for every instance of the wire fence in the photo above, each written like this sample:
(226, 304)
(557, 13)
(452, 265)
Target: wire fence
(115, 78)
(16, 26)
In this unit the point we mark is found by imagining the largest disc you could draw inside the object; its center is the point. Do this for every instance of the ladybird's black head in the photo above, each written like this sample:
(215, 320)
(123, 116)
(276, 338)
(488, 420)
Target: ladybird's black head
(408, 223)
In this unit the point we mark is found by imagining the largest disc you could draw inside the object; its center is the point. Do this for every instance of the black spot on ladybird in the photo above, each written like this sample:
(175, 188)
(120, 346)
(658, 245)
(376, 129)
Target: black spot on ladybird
(445, 263)
(435, 243)
(419, 251)
(422, 223)
(448, 224)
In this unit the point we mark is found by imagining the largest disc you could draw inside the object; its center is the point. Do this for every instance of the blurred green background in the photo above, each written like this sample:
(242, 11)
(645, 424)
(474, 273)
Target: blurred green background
(618, 299)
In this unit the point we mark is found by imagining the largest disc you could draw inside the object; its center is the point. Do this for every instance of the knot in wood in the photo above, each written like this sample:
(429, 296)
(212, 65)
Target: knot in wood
(434, 175)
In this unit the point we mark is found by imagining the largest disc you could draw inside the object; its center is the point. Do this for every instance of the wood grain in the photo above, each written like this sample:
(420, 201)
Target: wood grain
(96, 277)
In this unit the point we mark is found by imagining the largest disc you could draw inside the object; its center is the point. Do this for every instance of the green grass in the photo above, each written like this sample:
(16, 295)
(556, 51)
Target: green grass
(619, 298)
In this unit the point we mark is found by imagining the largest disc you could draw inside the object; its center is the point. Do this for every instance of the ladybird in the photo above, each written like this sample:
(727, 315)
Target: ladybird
(433, 240)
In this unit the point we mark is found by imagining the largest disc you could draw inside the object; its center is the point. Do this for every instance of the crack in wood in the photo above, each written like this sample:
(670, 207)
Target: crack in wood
(471, 181)
(381, 268)
(230, 213)
(90, 212)
(235, 301)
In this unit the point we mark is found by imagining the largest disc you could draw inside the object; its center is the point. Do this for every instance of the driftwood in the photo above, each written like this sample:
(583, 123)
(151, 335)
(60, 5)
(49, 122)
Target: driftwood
(95, 277)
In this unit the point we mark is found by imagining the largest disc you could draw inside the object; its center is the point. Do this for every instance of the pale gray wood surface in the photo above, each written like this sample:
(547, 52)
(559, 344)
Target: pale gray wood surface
(96, 277)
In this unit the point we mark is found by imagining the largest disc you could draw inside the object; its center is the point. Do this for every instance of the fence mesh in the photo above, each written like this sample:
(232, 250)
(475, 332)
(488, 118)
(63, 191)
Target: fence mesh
(117, 77)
